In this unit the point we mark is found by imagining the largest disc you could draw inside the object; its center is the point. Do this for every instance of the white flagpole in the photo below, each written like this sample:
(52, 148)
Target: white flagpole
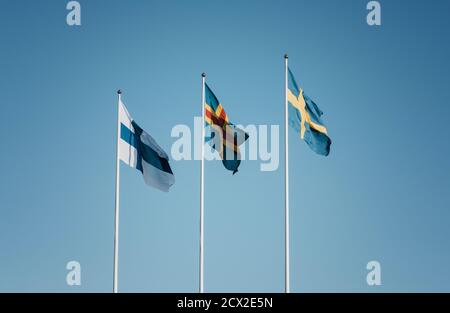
(116, 211)
(202, 186)
(286, 179)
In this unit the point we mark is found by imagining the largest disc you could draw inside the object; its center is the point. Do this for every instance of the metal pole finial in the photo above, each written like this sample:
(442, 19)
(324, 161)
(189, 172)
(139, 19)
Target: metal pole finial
(286, 56)
(203, 75)
(119, 92)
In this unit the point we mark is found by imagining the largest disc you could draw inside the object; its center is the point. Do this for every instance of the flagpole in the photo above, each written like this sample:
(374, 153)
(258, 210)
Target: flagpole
(202, 188)
(286, 180)
(116, 211)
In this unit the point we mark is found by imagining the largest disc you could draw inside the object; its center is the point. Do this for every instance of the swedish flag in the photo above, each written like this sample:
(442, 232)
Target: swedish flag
(305, 118)
(224, 137)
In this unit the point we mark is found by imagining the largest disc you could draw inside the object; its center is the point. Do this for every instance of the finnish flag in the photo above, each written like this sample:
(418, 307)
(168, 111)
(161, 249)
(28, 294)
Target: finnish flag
(139, 150)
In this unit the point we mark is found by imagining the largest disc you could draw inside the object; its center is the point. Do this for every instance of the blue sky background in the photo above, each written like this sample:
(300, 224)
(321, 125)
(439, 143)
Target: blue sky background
(381, 195)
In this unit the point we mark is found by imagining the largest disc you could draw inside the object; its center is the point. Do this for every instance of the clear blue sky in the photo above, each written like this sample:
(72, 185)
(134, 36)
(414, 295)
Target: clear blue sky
(382, 194)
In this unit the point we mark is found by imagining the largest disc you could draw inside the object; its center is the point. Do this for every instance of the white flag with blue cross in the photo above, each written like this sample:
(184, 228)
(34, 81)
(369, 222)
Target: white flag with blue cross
(140, 151)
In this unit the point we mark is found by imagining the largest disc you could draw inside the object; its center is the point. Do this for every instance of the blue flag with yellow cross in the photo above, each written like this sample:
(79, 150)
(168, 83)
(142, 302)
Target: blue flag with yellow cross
(306, 118)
